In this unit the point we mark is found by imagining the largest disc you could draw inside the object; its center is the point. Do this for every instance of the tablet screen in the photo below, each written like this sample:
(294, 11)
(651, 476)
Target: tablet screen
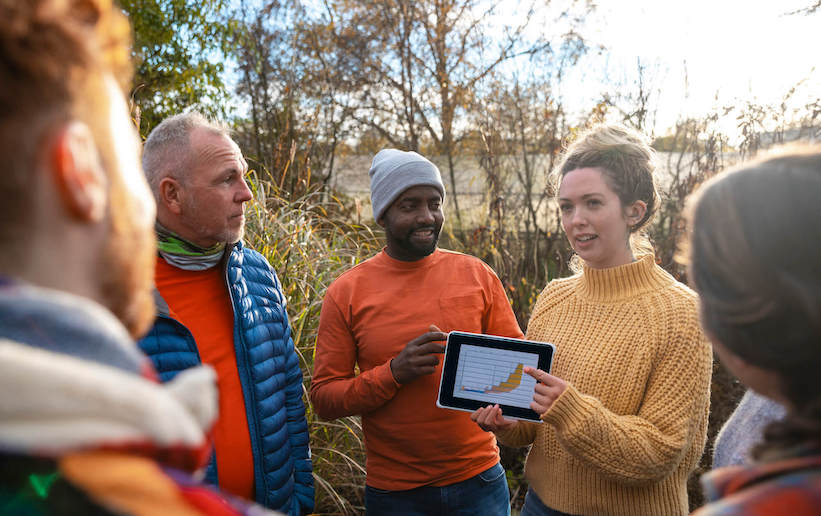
(481, 370)
(494, 375)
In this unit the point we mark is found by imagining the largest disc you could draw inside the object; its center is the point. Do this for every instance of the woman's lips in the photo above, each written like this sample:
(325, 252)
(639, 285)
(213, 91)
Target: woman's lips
(585, 240)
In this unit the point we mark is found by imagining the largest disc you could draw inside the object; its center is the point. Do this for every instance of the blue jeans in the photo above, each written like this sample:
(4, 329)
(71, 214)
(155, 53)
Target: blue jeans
(535, 507)
(485, 494)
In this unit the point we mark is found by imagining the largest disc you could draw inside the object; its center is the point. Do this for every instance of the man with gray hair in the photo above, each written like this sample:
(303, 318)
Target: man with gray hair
(220, 303)
(388, 315)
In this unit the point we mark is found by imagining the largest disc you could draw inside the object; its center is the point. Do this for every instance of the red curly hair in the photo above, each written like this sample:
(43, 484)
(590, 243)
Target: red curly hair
(54, 56)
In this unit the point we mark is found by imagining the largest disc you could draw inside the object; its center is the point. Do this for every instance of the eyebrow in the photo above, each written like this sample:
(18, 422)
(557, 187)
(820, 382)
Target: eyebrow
(421, 198)
(229, 171)
(240, 170)
(584, 197)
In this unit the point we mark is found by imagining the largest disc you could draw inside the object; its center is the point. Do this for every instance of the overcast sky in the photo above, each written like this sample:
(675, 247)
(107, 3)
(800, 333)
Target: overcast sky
(736, 49)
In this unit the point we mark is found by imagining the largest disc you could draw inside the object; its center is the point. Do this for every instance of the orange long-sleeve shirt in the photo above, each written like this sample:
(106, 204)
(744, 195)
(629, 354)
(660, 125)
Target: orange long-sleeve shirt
(368, 316)
(200, 301)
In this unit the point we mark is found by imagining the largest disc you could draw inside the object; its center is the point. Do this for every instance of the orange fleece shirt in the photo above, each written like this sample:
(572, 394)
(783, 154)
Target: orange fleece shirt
(369, 313)
(200, 301)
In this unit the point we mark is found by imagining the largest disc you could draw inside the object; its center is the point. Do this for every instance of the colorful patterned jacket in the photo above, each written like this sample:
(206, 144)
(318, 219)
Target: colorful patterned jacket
(85, 428)
(788, 487)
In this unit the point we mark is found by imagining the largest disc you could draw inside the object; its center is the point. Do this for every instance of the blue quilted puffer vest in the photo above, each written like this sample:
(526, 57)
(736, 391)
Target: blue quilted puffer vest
(269, 373)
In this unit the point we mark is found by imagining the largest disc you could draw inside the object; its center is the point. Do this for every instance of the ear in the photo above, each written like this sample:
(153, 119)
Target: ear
(170, 192)
(635, 212)
(78, 173)
(381, 221)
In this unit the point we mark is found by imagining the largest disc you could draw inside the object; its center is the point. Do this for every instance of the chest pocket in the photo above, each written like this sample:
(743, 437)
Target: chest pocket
(463, 312)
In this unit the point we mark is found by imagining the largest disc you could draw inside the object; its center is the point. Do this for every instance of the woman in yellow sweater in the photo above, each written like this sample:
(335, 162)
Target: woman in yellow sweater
(625, 411)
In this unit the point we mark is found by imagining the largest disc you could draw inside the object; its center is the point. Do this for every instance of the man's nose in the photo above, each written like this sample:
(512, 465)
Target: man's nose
(244, 193)
(426, 216)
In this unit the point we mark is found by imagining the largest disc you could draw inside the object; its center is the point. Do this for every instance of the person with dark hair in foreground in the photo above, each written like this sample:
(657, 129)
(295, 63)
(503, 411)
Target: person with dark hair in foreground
(85, 428)
(755, 259)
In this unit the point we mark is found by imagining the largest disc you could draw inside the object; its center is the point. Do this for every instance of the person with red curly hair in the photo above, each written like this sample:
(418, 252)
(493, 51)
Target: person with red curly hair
(85, 428)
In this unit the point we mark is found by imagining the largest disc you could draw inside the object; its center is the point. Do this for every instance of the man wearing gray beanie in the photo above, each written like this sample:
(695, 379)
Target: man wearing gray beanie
(393, 173)
(388, 316)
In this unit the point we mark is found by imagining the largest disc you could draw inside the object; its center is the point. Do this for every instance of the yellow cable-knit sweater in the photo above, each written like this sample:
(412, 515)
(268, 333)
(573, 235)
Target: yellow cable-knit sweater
(631, 425)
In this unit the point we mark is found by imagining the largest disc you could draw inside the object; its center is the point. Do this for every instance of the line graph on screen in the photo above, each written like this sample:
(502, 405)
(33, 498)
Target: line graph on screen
(495, 375)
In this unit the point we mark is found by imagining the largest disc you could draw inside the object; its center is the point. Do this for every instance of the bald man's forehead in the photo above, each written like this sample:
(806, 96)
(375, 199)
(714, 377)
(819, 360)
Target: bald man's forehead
(213, 153)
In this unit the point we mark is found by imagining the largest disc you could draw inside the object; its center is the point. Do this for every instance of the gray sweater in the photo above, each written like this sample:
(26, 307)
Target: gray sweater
(744, 429)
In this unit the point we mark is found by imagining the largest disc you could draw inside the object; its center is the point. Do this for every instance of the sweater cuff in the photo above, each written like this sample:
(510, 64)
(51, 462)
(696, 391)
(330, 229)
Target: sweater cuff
(384, 378)
(570, 409)
(507, 436)
(515, 437)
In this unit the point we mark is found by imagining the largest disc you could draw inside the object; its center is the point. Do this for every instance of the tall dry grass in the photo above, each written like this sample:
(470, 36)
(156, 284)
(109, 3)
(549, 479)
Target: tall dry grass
(309, 242)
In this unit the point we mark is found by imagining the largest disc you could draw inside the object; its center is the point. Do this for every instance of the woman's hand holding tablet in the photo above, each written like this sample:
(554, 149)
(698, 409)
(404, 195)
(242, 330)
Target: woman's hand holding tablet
(547, 390)
(490, 419)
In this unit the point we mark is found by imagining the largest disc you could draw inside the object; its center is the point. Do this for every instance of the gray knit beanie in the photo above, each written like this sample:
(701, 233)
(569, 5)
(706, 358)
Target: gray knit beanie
(394, 171)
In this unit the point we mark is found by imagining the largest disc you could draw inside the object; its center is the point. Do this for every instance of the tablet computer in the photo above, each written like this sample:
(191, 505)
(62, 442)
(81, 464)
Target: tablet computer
(481, 370)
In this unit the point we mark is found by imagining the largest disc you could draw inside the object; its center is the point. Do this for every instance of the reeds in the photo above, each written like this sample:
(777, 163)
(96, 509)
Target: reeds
(309, 242)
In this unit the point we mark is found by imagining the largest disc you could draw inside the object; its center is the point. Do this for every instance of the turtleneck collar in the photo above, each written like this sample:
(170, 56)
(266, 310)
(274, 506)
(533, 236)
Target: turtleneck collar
(624, 281)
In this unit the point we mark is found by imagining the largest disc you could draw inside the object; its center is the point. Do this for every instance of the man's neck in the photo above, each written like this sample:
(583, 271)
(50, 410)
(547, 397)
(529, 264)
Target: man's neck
(181, 253)
(403, 256)
(57, 268)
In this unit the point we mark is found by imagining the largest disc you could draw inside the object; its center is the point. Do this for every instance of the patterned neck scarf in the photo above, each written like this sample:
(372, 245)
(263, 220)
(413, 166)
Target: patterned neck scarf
(185, 255)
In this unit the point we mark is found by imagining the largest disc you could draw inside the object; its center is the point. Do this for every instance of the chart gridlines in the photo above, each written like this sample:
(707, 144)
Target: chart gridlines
(495, 375)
